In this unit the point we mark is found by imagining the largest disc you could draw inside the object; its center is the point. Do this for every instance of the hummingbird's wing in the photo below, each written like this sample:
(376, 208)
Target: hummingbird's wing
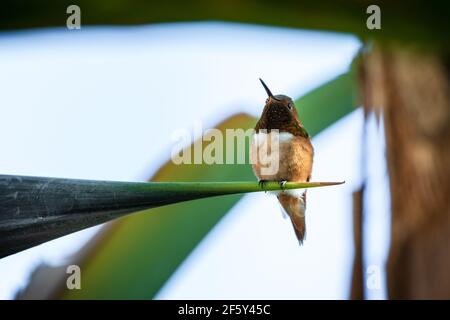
(295, 207)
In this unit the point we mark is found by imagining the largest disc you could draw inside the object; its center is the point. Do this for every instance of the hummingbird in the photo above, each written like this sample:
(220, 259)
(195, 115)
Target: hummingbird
(294, 154)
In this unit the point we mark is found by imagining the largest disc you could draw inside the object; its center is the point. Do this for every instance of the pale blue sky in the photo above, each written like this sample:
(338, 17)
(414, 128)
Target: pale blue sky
(98, 103)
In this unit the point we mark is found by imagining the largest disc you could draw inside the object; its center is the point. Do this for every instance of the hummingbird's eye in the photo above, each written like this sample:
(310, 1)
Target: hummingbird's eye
(290, 105)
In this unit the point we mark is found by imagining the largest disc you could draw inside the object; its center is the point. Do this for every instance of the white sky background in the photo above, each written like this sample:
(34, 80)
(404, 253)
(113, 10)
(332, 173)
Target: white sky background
(103, 103)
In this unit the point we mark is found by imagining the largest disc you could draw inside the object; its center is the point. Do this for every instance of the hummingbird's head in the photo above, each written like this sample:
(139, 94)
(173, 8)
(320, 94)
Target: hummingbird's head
(279, 110)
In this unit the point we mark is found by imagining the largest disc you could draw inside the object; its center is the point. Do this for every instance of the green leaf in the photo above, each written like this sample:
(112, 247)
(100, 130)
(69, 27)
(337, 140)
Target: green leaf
(35, 209)
(332, 101)
(414, 22)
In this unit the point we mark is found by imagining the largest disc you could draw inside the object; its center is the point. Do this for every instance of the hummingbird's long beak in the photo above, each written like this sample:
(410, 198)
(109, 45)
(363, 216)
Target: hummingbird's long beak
(266, 88)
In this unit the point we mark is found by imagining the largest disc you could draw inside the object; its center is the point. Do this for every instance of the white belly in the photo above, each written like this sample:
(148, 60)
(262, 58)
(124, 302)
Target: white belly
(268, 152)
(287, 156)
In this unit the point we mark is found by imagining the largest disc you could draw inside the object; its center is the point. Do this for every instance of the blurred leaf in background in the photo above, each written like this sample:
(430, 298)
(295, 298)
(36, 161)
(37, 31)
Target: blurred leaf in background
(416, 22)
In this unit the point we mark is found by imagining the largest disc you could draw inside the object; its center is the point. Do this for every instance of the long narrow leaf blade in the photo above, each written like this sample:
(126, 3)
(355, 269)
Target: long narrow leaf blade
(35, 209)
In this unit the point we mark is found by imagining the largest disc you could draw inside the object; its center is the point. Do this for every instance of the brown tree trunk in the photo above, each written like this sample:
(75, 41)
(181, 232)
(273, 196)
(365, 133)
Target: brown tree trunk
(357, 287)
(411, 89)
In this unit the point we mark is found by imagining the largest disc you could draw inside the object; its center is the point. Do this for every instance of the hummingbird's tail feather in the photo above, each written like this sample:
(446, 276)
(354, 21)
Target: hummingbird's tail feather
(295, 207)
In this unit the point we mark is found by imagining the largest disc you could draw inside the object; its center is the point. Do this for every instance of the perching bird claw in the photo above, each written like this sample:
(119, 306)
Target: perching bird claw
(262, 184)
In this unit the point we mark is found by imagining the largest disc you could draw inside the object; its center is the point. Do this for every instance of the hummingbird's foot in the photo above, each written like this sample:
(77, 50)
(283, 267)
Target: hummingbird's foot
(282, 184)
(262, 184)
